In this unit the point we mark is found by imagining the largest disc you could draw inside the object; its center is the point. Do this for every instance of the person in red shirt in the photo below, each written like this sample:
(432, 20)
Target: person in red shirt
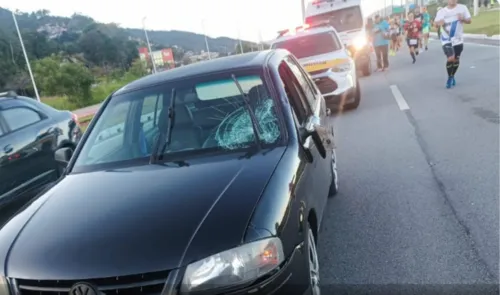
(412, 29)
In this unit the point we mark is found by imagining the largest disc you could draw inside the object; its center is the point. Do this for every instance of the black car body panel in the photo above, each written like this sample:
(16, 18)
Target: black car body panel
(171, 219)
(104, 224)
(27, 153)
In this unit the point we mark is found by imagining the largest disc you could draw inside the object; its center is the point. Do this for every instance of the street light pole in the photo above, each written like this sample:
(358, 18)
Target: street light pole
(26, 56)
(206, 39)
(149, 44)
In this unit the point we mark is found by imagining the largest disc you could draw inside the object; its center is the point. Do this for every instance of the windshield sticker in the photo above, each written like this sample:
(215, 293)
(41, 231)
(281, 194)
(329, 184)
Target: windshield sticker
(236, 131)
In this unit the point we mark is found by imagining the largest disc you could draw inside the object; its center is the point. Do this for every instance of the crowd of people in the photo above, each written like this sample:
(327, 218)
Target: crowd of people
(389, 34)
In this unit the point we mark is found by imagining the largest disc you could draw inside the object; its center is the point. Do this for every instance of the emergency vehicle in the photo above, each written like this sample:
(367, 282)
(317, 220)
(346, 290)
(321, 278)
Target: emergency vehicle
(346, 16)
(322, 54)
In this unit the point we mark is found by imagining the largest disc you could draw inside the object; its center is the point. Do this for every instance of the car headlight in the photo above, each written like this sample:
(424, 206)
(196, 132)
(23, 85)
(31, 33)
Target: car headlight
(359, 42)
(234, 267)
(4, 287)
(342, 68)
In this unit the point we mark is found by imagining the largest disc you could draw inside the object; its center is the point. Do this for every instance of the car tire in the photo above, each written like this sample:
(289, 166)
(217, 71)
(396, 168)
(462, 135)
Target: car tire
(334, 185)
(312, 261)
(357, 98)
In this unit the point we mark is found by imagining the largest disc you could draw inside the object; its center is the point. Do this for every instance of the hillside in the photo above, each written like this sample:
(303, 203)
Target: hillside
(55, 25)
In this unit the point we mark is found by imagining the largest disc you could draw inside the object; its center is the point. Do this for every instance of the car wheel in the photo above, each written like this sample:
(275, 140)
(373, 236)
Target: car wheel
(357, 98)
(334, 185)
(313, 262)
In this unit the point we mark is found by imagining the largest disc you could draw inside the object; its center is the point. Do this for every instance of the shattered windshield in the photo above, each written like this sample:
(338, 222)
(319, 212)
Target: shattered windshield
(210, 115)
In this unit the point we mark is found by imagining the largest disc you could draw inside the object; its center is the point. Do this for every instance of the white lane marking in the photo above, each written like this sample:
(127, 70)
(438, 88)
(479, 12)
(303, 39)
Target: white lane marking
(403, 105)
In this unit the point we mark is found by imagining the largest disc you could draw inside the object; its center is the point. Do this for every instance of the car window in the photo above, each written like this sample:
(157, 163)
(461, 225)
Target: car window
(150, 114)
(111, 134)
(294, 93)
(303, 80)
(310, 45)
(209, 116)
(20, 117)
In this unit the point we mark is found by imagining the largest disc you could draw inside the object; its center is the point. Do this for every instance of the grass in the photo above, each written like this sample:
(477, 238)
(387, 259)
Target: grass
(487, 22)
(99, 94)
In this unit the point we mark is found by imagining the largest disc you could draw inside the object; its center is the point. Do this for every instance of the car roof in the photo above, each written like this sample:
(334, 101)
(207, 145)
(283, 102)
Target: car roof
(248, 60)
(308, 32)
(28, 100)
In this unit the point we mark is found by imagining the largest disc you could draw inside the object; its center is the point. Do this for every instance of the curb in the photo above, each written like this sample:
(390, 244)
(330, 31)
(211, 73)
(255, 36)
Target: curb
(475, 36)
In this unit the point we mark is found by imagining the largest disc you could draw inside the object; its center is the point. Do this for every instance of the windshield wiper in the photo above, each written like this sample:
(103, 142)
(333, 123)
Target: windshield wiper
(165, 139)
(255, 124)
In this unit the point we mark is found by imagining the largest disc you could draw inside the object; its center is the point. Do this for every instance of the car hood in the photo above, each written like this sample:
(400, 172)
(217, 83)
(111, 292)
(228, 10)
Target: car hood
(135, 220)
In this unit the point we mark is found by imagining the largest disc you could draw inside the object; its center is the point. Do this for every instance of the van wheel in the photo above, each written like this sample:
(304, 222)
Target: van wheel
(334, 185)
(357, 98)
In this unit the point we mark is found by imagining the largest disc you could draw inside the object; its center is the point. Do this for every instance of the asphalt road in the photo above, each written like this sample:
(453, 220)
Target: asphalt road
(419, 188)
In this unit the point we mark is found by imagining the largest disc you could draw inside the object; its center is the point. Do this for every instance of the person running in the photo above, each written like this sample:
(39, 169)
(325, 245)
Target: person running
(381, 43)
(418, 16)
(426, 27)
(451, 19)
(412, 29)
(394, 38)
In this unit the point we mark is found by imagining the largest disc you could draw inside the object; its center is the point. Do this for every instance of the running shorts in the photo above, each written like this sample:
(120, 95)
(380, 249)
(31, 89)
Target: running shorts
(426, 30)
(450, 50)
(412, 42)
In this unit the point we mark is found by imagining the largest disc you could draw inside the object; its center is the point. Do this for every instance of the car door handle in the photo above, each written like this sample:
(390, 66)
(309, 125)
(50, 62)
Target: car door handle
(8, 149)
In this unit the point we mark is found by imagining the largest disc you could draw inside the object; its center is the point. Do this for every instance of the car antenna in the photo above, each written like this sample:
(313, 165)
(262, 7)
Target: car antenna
(253, 118)
(165, 139)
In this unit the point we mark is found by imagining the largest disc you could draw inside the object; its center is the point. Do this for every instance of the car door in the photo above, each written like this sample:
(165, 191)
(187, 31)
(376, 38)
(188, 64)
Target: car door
(311, 186)
(27, 150)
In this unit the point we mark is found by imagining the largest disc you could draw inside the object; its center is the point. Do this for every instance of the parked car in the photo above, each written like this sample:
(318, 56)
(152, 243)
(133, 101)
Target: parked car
(206, 179)
(30, 133)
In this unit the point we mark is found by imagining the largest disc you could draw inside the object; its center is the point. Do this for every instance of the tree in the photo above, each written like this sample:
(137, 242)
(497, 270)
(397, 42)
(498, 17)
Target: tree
(247, 47)
(186, 60)
(58, 77)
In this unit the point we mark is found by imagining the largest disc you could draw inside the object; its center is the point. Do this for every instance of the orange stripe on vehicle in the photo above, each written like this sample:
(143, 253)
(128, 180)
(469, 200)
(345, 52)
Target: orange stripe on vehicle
(321, 65)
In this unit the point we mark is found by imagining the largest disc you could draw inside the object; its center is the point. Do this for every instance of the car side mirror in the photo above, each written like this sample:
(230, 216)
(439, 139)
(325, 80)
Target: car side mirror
(63, 155)
(312, 136)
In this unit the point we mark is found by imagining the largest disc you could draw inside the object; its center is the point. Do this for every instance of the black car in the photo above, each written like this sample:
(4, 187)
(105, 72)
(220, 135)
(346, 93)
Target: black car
(30, 133)
(205, 179)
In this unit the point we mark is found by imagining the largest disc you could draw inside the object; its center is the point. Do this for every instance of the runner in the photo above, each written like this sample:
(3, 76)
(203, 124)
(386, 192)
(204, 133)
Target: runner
(412, 29)
(426, 27)
(451, 19)
(394, 38)
(420, 18)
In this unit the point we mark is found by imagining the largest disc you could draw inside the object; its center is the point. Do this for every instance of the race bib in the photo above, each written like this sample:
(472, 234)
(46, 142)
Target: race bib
(413, 41)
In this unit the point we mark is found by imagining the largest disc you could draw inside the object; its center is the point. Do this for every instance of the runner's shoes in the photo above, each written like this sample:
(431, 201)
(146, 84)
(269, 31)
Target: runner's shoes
(453, 81)
(449, 83)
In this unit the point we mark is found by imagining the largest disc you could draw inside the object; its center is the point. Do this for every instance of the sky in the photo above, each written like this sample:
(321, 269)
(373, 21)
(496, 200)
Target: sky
(231, 18)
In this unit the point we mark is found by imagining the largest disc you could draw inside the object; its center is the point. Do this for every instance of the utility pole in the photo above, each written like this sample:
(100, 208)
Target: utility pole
(149, 45)
(206, 39)
(303, 10)
(26, 56)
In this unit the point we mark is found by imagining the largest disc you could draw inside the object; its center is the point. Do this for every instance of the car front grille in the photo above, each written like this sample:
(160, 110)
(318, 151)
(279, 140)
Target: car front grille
(142, 284)
(326, 85)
